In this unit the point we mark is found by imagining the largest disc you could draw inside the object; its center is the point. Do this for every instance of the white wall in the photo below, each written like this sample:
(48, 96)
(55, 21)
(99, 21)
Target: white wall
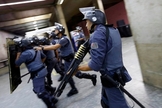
(145, 17)
(3, 47)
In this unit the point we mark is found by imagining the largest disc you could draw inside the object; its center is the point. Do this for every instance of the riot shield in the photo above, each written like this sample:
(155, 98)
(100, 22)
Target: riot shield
(14, 72)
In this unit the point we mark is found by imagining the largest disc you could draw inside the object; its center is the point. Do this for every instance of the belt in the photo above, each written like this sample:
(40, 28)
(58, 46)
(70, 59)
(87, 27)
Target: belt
(34, 73)
(37, 70)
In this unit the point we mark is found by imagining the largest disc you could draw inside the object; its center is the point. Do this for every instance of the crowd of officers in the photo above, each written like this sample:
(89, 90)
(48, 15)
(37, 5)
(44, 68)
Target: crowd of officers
(40, 63)
(106, 58)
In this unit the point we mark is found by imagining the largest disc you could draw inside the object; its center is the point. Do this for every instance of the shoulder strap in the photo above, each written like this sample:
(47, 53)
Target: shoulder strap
(33, 58)
(107, 34)
(107, 31)
(107, 38)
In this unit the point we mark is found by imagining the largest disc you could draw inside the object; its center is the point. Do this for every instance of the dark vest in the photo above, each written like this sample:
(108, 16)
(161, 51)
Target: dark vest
(37, 63)
(49, 54)
(113, 59)
(67, 49)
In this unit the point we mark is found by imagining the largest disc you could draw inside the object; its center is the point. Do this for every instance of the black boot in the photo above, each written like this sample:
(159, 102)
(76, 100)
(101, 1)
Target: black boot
(49, 100)
(54, 100)
(93, 77)
(74, 89)
(72, 92)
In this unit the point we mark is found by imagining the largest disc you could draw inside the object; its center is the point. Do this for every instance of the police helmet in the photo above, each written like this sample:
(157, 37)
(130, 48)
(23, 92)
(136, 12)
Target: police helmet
(59, 27)
(96, 16)
(25, 43)
(17, 40)
(35, 40)
(53, 35)
(79, 28)
(44, 41)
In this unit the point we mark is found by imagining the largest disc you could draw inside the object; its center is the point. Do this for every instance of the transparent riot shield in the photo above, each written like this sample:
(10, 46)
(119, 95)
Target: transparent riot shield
(14, 72)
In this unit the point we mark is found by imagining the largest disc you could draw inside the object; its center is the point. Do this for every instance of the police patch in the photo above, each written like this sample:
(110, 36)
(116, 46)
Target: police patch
(94, 45)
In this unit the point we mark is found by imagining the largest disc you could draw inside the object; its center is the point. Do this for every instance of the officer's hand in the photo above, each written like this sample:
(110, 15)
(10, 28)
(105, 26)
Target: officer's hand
(37, 48)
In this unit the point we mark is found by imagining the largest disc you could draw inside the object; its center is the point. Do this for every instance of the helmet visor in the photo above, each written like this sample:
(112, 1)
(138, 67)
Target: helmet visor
(88, 12)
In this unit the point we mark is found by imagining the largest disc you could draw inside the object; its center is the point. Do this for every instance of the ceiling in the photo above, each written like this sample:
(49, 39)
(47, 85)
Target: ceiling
(18, 19)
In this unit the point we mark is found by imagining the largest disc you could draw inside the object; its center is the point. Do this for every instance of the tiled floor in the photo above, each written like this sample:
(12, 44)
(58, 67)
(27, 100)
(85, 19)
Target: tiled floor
(89, 95)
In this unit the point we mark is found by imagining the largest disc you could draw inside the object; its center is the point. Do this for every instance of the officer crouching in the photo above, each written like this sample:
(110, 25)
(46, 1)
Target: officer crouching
(34, 63)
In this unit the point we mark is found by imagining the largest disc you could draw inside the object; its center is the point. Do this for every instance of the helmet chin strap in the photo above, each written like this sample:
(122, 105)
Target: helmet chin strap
(92, 28)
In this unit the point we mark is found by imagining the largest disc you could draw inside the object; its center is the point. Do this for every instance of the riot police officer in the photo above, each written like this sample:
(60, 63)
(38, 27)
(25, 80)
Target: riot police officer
(35, 41)
(81, 38)
(67, 54)
(33, 61)
(106, 56)
(59, 67)
(51, 60)
(70, 57)
(65, 49)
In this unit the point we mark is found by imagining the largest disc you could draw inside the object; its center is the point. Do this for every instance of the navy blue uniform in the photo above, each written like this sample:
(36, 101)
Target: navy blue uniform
(59, 66)
(38, 73)
(106, 57)
(50, 63)
(66, 52)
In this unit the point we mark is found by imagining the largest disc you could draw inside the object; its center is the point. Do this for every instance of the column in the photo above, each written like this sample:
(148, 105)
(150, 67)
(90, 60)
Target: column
(61, 18)
(145, 17)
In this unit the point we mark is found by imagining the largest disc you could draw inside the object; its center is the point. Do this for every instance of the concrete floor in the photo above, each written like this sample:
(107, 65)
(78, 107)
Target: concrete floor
(89, 95)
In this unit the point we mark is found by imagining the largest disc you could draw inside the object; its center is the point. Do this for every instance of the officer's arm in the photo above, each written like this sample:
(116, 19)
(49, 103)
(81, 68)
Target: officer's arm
(48, 47)
(20, 58)
(51, 47)
(18, 55)
(80, 39)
